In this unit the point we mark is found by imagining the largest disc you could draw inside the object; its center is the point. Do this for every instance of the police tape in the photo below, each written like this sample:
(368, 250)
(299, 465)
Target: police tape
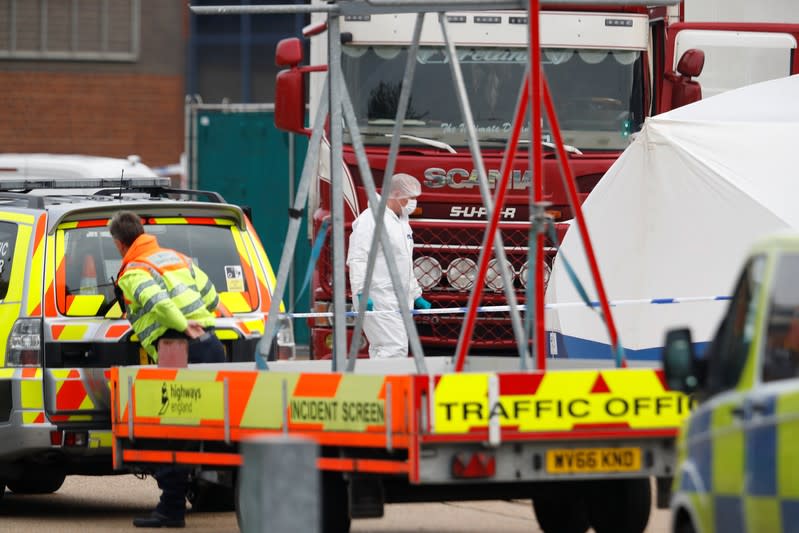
(521, 307)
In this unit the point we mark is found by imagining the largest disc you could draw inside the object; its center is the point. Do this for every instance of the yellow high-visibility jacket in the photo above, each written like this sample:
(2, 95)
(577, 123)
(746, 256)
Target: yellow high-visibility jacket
(163, 290)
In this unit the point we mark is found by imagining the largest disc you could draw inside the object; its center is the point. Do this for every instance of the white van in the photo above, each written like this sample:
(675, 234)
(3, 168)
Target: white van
(66, 166)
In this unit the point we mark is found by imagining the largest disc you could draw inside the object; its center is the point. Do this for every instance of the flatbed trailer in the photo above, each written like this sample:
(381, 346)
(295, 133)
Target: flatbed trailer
(581, 441)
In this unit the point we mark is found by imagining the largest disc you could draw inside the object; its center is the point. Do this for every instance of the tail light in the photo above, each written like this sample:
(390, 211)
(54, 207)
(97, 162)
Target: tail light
(76, 439)
(24, 347)
(286, 348)
(475, 465)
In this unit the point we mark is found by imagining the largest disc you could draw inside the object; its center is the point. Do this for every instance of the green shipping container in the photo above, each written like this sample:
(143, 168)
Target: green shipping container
(240, 154)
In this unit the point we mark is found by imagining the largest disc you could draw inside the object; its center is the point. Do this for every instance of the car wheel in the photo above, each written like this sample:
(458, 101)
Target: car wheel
(683, 523)
(37, 483)
(207, 497)
(335, 503)
(561, 508)
(620, 505)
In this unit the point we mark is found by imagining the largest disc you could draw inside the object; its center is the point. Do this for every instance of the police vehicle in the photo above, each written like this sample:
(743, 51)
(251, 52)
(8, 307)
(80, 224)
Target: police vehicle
(738, 452)
(61, 327)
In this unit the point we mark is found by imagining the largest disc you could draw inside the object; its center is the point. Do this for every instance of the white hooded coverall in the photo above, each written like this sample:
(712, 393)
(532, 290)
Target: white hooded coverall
(385, 332)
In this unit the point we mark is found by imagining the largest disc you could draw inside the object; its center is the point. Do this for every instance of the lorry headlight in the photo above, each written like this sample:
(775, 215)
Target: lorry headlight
(494, 276)
(427, 271)
(285, 339)
(524, 272)
(461, 273)
(24, 343)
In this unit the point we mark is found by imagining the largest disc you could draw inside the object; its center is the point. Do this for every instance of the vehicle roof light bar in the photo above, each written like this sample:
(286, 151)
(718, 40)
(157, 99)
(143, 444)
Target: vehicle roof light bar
(27, 184)
(17, 198)
(159, 191)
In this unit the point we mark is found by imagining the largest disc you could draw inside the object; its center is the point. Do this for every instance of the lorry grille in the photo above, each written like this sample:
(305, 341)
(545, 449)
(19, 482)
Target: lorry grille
(446, 255)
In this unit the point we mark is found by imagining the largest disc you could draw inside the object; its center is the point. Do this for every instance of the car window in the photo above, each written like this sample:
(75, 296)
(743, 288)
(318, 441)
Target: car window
(8, 240)
(85, 285)
(730, 347)
(781, 354)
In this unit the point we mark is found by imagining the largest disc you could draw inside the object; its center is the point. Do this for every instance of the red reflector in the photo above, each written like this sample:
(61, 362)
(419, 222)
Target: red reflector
(476, 465)
(55, 438)
(29, 358)
(76, 438)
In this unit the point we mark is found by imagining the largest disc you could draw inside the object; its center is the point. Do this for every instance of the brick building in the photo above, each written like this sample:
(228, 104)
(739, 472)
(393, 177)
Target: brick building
(102, 77)
(110, 77)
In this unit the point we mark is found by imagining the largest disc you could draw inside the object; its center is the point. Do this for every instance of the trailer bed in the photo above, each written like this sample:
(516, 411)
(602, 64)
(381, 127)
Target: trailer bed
(573, 421)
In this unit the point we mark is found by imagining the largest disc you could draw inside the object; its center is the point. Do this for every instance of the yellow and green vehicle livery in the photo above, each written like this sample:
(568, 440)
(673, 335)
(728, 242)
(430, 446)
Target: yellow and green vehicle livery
(61, 328)
(738, 452)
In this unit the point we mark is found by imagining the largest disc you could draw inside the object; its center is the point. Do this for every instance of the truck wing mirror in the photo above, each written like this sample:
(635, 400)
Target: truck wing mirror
(288, 52)
(679, 361)
(691, 63)
(290, 101)
(290, 87)
(681, 87)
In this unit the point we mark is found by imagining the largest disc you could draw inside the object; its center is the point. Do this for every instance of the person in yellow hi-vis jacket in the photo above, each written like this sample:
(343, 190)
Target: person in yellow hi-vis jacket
(166, 297)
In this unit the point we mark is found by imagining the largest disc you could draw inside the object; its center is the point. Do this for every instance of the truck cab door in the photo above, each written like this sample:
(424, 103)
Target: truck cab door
(734, 55)
(771, 409)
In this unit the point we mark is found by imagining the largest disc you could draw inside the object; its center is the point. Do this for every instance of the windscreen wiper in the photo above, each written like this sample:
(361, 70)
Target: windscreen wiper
(429, 142)
(409, 122)
(546, 144)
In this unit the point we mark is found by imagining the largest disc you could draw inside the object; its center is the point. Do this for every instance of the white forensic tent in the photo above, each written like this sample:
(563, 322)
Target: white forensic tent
(675, 216)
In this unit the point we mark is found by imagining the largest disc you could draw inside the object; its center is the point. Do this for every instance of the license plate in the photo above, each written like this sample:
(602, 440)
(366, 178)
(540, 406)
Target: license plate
(590, 460)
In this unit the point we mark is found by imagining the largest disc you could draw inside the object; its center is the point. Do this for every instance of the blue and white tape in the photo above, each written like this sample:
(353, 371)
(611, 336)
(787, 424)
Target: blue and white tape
(506, 308)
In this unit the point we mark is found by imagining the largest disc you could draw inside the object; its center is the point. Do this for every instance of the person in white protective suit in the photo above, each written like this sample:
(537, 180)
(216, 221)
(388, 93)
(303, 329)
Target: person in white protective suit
(386, 331)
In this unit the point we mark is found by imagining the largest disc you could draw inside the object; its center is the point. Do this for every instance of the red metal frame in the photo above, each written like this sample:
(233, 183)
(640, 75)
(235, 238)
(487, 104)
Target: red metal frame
(536, 85)
(502, 187)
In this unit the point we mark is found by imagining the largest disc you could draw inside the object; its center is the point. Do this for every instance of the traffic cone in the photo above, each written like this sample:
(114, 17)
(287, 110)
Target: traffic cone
(88, 276)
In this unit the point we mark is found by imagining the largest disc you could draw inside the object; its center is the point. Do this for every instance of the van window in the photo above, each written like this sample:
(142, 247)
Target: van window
(781, 354)
(85, 286)
(8, 239)
(728, 352)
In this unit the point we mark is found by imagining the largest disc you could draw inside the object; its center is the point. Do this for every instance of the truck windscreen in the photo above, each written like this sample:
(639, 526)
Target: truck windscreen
(598, 94)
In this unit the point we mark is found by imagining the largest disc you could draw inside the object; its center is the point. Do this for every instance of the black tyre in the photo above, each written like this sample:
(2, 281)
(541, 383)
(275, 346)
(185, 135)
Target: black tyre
(335, 504)
(207, 497)
(620, 505)
(683, 524)
(37, 483)
(561, 509)
(238, 507)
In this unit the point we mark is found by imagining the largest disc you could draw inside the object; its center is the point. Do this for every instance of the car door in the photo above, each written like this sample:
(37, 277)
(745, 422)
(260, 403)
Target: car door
(714, 468)
(771, 411)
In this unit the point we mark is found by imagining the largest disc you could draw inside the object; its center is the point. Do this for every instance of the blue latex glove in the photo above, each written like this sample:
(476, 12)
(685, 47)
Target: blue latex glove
(369, 305)
(421, 303)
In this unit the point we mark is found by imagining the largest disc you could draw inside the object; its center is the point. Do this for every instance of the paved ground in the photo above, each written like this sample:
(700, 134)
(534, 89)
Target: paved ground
(93, 505)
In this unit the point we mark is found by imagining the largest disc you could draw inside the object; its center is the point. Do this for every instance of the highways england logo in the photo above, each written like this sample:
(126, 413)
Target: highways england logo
(178, 400)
